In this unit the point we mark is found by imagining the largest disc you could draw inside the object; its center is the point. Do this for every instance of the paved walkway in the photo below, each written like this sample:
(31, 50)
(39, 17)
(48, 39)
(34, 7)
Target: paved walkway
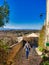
(33, 59)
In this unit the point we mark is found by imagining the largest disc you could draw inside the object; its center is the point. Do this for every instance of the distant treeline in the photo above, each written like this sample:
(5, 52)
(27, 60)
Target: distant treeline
(19, 31)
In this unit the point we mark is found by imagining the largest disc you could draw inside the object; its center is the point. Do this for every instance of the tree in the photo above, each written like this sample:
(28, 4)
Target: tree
(4, 14)
(4, 18)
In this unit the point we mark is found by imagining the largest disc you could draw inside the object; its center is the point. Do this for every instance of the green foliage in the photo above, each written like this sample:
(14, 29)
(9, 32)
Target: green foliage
(4, 14)
(40, 48)
(42, 37)
(43, 57)
(4, 49)
(3, 45)
(45, 63)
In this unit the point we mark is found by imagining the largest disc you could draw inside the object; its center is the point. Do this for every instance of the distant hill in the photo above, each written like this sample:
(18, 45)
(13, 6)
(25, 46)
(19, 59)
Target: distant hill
(18, 30)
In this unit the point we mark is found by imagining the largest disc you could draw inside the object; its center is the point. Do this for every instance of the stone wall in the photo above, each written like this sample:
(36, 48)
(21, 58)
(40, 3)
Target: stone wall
(15, 49)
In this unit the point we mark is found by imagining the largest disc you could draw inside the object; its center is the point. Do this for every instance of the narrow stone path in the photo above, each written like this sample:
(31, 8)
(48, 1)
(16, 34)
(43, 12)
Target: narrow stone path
(33, 59)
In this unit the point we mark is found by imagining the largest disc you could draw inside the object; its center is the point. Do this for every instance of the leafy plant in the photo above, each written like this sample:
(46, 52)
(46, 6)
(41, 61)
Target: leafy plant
(45, 63)
(43, 57)
(40, 48)
(4, 49)
(3, 45)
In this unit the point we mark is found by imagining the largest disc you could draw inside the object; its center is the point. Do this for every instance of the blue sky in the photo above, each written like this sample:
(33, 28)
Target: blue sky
(25, 14)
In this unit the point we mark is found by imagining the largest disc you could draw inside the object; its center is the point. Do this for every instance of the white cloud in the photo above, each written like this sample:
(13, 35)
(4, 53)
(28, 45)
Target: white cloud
(12, 27)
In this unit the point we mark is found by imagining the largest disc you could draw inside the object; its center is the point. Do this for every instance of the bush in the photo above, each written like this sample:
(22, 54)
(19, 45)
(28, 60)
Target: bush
(43, 57)
(40, 48)
(3, 52)
(4, 46)
(45, 63)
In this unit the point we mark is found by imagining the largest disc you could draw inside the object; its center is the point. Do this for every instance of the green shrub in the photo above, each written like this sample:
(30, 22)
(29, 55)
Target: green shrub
(43, 57)
(45, 63)
(40, 48)
(3, 45)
